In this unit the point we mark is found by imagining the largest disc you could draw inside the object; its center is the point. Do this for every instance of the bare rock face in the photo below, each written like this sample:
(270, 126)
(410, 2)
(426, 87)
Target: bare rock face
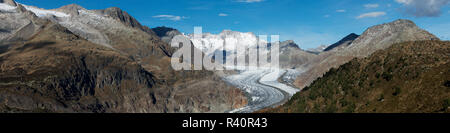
(125, 18)
(71, 9)
(166, 34)
(291, 56)
(374, 38)
(19, 24)
(9, 2)
(384, 35)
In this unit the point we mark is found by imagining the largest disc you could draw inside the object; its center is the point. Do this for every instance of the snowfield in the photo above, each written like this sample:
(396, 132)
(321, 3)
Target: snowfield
(87, 25)
(263, 88)
(6, 7)
(42, 12)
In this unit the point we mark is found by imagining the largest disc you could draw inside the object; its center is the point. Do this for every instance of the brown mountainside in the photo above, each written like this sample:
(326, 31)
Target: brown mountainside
(407, 77)
(85, 64)
(374, 38)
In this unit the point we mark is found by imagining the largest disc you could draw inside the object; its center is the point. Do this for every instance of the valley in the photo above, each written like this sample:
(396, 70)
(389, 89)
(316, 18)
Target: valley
(77, 60)
(262, 88)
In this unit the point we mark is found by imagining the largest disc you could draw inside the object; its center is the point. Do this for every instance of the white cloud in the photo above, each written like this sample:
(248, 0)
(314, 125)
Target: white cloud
(170, 17)
(371, 5)
(223, 14)
(423, 8)
(326, 16)
(371, 15)
(250, 1)
(341, 10)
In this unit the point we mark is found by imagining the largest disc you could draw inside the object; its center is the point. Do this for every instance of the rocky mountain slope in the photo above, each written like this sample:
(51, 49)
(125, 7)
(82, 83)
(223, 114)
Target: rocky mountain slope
(318, 49)
(166, 34)
(8, 2)
(76, 60)
(374, 38)
(291, 56)
(408, 77)
(114, 28)
(57, 71)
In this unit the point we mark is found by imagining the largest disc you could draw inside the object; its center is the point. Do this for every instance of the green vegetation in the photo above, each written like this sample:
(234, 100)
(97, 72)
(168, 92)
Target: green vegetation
(393, 80)
(446, 103)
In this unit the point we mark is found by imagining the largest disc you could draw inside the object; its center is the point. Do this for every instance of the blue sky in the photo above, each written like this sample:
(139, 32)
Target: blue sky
(308, 22)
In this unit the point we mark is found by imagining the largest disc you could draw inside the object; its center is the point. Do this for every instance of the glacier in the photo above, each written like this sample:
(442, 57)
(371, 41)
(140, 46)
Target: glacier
(262, 87)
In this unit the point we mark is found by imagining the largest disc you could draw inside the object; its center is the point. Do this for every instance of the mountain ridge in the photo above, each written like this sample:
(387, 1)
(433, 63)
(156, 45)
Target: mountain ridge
(347, 40)
(374, 38)
(95, 63)
(408, 77)
(9, 2)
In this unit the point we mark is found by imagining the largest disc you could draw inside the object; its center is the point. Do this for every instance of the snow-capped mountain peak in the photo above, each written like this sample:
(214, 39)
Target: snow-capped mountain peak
(37, 11)
(6, 7)
(46, 13)
(227, 39)
(8, 2)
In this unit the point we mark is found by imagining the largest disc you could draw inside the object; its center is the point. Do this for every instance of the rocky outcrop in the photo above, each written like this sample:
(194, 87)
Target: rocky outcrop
(288, 45)
(115, 29)
(291, 56)
(19, 24)
(384, 35)
(72, 9)
(125, 18)
(9, 2)
(166, 34)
